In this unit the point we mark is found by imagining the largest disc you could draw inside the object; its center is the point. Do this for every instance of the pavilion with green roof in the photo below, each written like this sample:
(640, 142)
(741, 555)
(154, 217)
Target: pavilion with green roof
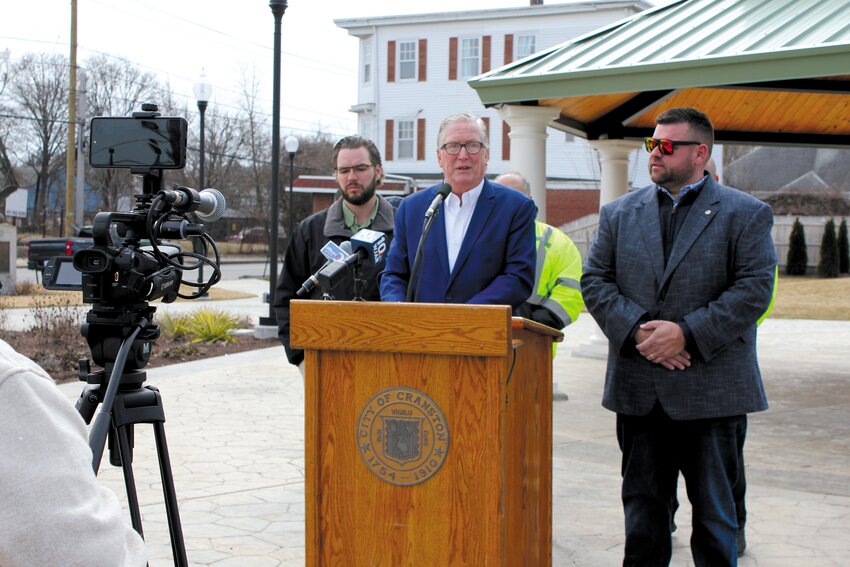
(765, 72)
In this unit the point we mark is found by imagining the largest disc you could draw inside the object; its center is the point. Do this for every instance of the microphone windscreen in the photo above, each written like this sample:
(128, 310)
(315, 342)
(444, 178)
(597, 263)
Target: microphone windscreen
(372, 242)
(213, 205)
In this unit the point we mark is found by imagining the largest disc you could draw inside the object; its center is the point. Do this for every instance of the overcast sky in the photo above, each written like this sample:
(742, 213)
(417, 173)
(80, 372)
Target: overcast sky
(174, 39)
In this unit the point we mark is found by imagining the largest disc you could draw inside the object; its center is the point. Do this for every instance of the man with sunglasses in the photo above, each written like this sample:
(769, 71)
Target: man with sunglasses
(481, 246)
(677, 278)
(358, 169)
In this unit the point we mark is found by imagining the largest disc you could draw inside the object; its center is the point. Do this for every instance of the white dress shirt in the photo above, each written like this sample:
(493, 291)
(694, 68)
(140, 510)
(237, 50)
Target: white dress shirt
(458, 211)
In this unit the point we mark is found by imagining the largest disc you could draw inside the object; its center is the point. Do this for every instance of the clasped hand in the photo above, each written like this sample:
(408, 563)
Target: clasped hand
(663, 342)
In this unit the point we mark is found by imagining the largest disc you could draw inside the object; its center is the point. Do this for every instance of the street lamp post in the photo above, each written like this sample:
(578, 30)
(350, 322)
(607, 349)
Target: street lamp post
(203, 91)
(291, 145)
(278, 7)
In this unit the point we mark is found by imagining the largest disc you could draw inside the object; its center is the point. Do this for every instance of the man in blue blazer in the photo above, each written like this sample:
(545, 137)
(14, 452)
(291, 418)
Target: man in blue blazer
(481, 246)
(677, 277)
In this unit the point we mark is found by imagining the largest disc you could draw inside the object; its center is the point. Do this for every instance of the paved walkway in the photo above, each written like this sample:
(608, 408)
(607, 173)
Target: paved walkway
(235, 428)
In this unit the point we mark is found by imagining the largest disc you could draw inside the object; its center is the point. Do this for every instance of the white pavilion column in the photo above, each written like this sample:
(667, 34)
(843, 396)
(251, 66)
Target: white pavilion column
(613, 183)
(528, 146)
(614, 159)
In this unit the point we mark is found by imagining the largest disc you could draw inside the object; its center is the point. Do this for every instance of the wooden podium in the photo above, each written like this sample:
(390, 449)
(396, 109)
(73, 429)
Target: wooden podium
(428, 434)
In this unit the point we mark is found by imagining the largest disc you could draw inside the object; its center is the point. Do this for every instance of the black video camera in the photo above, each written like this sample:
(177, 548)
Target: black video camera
(129, 263)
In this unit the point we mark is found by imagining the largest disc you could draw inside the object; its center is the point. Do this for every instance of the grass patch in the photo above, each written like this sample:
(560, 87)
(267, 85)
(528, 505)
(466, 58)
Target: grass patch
(808, 297)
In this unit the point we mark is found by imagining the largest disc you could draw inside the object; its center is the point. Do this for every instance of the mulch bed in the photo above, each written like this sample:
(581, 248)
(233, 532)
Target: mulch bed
(59, 356)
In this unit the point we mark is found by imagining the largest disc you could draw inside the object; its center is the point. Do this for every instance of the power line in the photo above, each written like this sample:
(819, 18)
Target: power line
(188, 98)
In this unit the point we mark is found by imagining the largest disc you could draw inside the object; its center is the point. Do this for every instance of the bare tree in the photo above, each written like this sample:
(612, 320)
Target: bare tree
(223, 145)
(8, 178)
(315, 157)
(39, 89)
(116, 87)
(257, 146)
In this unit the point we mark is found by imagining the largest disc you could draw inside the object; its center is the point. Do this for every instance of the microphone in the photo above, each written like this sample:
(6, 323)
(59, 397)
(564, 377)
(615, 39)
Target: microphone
(208, 204)
(442, 192)
(367, 245)
(333, 253)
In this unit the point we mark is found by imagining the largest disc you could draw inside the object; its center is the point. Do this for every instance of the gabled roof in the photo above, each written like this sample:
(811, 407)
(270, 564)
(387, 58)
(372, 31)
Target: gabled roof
(765, 71)
(365, 25)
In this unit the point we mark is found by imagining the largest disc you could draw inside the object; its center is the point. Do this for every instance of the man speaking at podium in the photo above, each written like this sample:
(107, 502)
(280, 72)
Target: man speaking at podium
(481, 246)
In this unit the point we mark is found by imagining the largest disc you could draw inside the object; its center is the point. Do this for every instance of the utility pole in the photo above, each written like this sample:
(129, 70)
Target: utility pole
(72, 120)
(79, 194)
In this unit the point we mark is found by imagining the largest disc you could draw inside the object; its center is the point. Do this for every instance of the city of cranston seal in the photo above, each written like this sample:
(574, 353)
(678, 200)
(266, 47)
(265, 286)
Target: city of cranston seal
(402, 436)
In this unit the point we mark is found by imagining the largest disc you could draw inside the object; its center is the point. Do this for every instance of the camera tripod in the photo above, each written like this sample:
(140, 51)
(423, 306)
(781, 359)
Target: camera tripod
(114, 335)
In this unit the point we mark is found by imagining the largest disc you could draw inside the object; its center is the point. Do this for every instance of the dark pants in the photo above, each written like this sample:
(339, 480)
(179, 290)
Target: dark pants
(739, 489)
(655, 448)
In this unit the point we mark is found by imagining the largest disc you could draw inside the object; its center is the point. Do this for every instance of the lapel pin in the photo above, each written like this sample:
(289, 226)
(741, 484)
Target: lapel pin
(708, 211)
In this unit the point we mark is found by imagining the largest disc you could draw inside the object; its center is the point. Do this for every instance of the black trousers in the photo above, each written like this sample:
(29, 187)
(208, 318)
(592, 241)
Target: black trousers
(655, 448)
(739, 489)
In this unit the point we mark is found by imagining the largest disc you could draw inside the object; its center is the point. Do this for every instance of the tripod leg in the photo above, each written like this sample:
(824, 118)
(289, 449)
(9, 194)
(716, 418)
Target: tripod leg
(178, 546)
(129, 479)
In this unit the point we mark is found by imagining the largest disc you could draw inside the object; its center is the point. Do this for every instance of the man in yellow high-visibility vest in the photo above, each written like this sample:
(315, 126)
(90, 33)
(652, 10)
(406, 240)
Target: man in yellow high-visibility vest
(556, 300)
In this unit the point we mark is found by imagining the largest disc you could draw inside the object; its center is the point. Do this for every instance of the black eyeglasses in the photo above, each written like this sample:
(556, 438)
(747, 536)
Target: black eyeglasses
(454, 148)
(666, 147)
(358, 169)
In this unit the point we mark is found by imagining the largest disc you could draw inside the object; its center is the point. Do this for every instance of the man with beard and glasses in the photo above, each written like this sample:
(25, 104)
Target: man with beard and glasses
(357, 165)
(677, 278)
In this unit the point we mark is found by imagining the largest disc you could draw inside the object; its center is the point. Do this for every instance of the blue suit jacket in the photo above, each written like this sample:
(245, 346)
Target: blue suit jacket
(495, 264)
(718, 280)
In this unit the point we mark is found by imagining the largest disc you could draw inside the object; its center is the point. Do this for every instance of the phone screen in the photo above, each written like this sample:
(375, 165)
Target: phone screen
(157, 143)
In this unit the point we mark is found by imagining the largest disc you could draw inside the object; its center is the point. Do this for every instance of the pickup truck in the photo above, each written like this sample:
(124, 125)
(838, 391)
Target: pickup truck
(40, 250)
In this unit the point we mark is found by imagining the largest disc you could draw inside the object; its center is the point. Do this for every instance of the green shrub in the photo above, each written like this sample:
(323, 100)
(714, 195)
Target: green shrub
(210, 326)
(175, 326)
(828, 265)
(798, 259)
(843, 248)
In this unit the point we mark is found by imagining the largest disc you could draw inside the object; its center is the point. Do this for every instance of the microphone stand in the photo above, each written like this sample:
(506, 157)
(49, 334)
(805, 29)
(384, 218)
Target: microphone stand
(358, 282)
(412, 286)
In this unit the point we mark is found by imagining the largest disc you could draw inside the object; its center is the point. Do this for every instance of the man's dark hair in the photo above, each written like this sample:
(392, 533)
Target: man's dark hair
(698, 122)
(352, 143)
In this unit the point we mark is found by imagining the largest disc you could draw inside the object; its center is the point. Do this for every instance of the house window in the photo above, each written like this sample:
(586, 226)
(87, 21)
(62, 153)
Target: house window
(470, 57)
(525, 45)
(406, 139)
(366, 61)
(407, 60)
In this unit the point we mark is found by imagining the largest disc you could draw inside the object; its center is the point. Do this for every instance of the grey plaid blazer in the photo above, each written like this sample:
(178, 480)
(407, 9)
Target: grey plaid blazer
(719, 280)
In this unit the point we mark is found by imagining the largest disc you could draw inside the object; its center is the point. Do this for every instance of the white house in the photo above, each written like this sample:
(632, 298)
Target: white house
(413, 72)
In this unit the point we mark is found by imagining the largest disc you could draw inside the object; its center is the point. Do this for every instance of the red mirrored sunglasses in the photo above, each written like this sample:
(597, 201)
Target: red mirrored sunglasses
(666, 147)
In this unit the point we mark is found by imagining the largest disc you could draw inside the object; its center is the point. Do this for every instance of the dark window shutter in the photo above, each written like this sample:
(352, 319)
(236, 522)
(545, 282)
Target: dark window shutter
(506, 141)
(420, 139)
(389, 134)
(509, 48)
(485, 53)
(391, 61)
(453, 59)
(423, 59)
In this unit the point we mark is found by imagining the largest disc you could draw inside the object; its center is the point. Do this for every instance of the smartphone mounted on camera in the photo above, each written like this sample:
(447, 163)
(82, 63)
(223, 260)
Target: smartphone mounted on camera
(138, 143)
